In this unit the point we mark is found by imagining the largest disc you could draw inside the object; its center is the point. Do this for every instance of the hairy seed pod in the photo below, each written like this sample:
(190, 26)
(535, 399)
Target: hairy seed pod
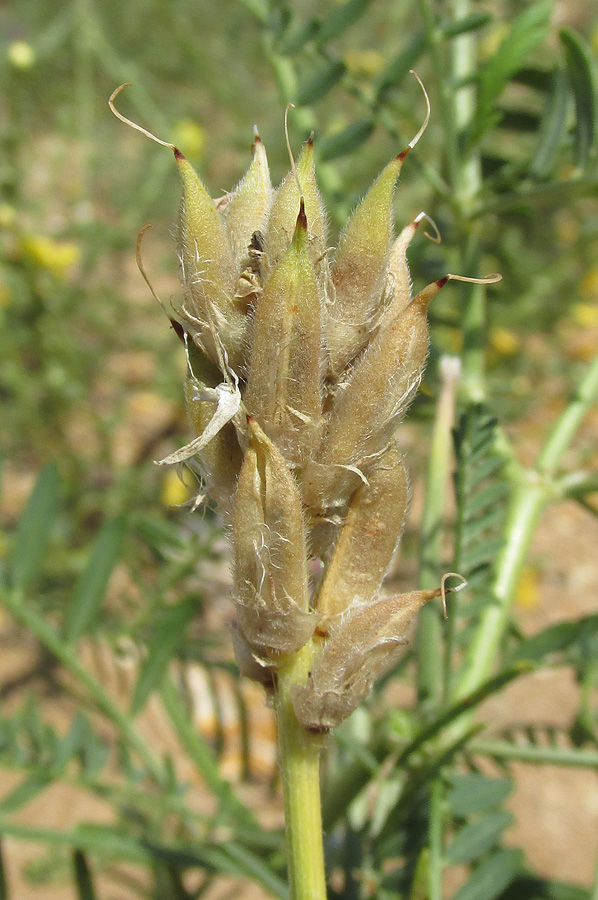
(249, 205)
(368, 409)
(364, 645)
(285, 208)
(360, 269)
(283, 388)
(208, 273)
(399, 277)
(270, 553)
(367, 540)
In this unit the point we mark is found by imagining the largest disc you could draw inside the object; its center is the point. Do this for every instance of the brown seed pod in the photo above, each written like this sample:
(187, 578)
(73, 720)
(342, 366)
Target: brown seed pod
(365, 644)
(367, 539)
(368, 409)
(270, 554)
(284, 384)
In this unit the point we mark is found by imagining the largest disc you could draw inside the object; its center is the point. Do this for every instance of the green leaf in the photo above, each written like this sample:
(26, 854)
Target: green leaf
(34, 527)
(341, 19)
(487, 497)
(169, 633)
(473, 22)
(528, 30)
(476, 838)
(492, 877)
(78, 735)
(553, 127)
(296, 40)
(347, 140)
(584, 84)
(90, 591)
(554, 639)
(159, 533)
(82, 875)
(394, 73)
(254, 867)
(321, 83)
(482, 552)
(481, 470)
(24, 792)
(529, 888)
(476, 793)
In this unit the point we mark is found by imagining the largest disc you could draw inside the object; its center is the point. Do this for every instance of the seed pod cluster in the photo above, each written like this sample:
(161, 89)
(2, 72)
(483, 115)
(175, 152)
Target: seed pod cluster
(301, 367)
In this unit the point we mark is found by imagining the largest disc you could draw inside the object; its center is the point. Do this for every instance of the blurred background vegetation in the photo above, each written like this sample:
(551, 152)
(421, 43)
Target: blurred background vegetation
(90, 373)
(90, 376)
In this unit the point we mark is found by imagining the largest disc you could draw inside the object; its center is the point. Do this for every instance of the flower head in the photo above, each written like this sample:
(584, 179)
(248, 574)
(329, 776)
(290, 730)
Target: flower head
(301, 366)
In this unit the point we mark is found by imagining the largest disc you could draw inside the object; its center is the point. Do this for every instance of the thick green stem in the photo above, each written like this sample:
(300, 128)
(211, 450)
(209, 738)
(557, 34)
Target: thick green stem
(300, 770)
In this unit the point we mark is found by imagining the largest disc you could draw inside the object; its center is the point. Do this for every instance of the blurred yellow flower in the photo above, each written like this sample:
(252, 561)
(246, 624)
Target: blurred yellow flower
(364, 62)
(504, 341)
(528, 590)
(56, 256)
(585, 314)
(189, 137)
(588, 286)
(174, 491)
(21, 55)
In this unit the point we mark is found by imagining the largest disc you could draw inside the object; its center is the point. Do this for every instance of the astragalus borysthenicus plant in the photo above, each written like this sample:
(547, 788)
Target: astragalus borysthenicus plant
(301, 365)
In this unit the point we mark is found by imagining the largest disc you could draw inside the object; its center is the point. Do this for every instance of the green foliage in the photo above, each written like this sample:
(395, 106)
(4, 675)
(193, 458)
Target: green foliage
(508, 168)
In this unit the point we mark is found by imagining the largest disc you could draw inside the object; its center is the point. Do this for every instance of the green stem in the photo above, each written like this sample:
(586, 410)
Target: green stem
(436, 840)
(299, 765)
(529, 499)
(435, 39)
(429, 629)
(537, 755)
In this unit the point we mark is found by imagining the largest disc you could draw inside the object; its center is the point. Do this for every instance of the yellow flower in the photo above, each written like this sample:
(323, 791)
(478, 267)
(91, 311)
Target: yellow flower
(174, 490)
(585, 314)
(21, 55)
(56, 256)
(364, 62)
(504, 341)
(528, 591)
(190, 137)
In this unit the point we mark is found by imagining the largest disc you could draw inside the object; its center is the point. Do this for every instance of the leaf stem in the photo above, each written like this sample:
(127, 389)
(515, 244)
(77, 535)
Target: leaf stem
(299, 765)
(22, 612)
(528, 501)
(557, 756)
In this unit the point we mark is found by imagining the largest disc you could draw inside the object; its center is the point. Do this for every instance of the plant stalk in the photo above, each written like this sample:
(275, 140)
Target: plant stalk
(300, 770)
(429, 629)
